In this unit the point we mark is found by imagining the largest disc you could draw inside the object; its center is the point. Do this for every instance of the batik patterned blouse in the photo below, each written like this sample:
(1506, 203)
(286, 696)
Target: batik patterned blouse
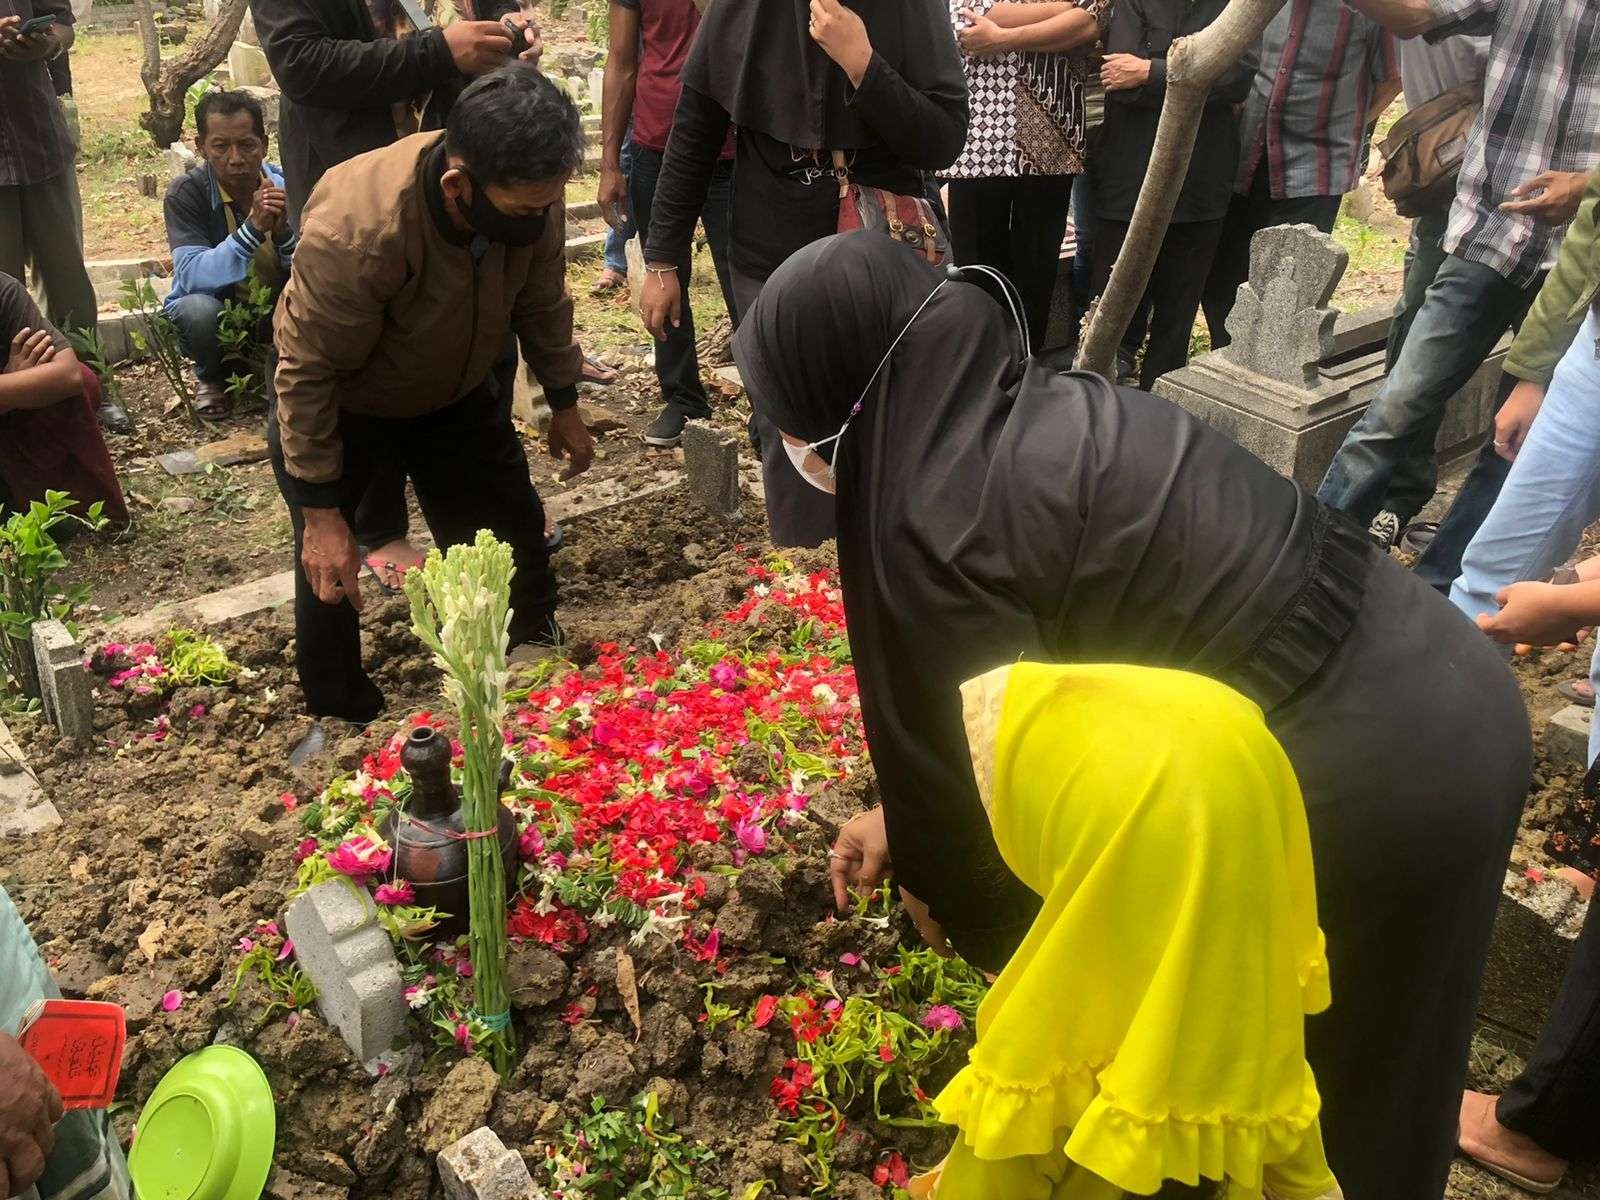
(1026, 108)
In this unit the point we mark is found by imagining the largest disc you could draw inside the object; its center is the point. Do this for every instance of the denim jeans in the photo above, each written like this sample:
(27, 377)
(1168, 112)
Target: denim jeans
(1466, 310)
(677, 364)
(617, 239)
(196, 316)
(1551, 493)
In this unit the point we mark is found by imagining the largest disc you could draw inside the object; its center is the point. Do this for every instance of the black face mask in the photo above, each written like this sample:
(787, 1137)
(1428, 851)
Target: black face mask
(498, 226)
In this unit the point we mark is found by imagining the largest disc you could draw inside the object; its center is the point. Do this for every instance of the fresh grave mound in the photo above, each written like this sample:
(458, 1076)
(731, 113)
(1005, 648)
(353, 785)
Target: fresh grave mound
(690, 1016)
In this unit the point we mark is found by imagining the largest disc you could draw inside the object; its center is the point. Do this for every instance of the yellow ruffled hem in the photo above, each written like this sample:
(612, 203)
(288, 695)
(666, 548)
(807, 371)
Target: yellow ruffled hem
(999, 1120)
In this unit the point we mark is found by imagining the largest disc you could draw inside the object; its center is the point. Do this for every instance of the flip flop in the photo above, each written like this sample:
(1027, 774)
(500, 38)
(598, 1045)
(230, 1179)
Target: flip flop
(595, 371)
(1577, 691)
(376, 567)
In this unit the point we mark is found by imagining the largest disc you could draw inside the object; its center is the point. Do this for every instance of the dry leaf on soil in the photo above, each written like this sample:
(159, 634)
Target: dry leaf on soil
(628, 986)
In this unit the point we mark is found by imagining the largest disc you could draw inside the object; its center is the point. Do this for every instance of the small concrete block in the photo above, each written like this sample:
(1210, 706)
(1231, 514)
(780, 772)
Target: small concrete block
(113, 329)
(24, 809)
(347, 954)
(64, 682)
(1567, 735)
(712, 463)
(482, 1167)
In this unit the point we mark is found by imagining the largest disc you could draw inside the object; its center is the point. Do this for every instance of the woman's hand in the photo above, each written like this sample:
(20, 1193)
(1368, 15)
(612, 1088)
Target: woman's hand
(30, 348)
(662, 302)
(843, 37)
(860, 856)
(1123, 72)
(982, 38)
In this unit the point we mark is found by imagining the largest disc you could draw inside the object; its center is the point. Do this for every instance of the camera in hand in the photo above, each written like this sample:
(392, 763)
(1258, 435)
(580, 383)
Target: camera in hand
(520, 41)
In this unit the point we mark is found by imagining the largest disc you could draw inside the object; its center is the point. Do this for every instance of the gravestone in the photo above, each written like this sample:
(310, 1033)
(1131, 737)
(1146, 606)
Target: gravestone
(345, 951)
(1535, 928)
(65, 686)
(1299, 373)
(712, 462)
(24, 808)
(247, 66)
(1281, 324)
(1566, 736)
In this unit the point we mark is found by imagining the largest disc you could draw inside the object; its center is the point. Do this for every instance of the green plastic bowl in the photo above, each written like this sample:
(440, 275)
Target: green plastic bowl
(207, 1131)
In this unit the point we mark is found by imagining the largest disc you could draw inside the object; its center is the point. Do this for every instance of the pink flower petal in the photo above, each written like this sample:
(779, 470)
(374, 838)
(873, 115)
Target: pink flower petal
(172, 1001)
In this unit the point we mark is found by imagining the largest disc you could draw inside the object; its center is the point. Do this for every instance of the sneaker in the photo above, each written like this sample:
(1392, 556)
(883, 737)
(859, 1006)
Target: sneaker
(1385, 529)
(666, 431)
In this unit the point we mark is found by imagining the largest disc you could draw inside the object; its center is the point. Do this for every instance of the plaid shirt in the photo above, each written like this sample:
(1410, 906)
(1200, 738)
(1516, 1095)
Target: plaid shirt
(1541, 112)
(1307, 111)
(34, 142)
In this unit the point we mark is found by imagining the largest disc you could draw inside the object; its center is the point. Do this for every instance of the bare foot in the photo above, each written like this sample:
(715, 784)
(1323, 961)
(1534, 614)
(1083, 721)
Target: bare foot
(1512, 1156)
(390, 562)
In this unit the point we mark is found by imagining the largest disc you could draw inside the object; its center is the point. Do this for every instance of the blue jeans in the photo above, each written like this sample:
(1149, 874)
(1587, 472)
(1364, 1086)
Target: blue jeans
(196, 316)
(1466, 310)
(677, 363)
(1551, 493)
(617, 239)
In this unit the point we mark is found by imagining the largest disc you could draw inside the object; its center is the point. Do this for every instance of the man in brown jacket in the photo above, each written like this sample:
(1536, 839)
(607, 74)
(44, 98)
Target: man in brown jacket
(415, 261)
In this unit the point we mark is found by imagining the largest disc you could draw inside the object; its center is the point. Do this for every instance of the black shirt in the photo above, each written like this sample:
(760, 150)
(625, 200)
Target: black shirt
(1120, 157)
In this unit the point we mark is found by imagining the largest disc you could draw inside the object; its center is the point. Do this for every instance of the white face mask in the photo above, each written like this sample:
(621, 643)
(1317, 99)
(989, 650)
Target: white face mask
(811, 467)
(808, 459)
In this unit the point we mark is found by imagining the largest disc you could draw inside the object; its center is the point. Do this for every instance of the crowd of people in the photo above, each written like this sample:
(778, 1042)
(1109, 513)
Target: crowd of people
(886, 192)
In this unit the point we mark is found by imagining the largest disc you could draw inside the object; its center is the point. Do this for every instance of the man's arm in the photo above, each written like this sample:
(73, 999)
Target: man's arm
(1413, 18)
(1564, 299)
(541, 317)
(314, 65)
(198, 266)
(616, 109)
(1070, 29)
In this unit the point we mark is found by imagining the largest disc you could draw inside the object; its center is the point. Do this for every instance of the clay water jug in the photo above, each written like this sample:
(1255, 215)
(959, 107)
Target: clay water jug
(430, 851)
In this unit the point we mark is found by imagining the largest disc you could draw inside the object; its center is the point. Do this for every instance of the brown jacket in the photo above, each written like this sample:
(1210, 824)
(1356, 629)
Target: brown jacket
(386, 315)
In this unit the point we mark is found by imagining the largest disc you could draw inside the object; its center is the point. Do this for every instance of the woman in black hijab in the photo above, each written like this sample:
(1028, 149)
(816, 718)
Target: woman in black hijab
(991, 510)
(798, 80)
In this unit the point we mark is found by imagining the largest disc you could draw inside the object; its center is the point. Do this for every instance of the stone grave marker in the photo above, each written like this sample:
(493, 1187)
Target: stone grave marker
(1281, 324)
(24, 808)
(482, 1167)
(1298, 373)
(712, 462)
(64, 682)
(345, 951)
(1566, 737)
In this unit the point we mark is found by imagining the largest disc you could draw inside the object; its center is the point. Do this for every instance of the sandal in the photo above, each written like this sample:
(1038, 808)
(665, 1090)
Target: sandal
(595, 371)
(210, 401)
(1579, 691)
(378, 568)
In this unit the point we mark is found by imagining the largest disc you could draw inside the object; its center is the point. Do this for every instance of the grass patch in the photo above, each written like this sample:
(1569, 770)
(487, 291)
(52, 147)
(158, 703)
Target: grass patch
(1371, 249)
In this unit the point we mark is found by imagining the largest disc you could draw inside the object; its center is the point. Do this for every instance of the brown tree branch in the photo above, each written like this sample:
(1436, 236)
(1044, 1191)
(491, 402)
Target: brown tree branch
(1194, 64)
(168, 84)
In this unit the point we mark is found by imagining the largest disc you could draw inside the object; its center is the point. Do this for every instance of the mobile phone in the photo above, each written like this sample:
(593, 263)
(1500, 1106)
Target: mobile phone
(35, 25)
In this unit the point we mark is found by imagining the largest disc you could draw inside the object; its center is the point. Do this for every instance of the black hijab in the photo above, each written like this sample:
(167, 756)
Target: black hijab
(991, 510)
(756, 59)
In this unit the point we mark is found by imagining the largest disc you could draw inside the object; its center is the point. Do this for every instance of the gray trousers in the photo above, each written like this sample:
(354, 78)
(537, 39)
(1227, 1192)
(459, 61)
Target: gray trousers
(39, 222)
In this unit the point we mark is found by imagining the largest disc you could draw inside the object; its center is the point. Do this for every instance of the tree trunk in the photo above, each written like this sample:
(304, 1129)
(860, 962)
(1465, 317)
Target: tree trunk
(1194, 64)
(168, 85)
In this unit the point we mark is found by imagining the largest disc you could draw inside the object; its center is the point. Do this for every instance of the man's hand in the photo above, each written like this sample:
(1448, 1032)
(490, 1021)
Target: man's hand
(478, 47)
(569, 439)
(1537, 614)
(269, 209)
(528, 22)
(843, 37)
(662, 302)
(860, 856)
(330, 558)
(1121, 72)
(613, 196)
(29, 1109)
(982, 38)
(33, 48)
(1550, 196)
(1515, 418)
(30, 348)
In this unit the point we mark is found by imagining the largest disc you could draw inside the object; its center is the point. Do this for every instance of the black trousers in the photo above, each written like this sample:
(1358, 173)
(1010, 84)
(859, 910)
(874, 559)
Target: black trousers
(381, 516)
(677, 363)
(1016, 225)
(1247, 215)
(469, 470)
(1173, 293)
(1556, 1099)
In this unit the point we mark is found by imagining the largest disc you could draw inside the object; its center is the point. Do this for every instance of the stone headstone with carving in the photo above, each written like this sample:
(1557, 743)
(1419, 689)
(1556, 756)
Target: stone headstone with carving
(1281, 324)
